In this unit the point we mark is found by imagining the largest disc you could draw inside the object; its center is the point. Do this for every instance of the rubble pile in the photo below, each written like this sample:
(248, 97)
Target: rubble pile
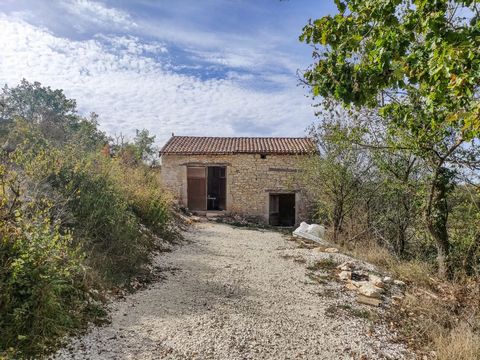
(370, 288)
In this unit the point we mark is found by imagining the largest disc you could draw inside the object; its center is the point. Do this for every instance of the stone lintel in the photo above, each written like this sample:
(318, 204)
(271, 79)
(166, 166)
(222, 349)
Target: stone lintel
(282, 191)
(204, 164)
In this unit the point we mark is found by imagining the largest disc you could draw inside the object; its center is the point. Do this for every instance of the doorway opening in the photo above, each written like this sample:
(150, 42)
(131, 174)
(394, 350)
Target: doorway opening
(282, 209)
(216, 190)
(206, 188)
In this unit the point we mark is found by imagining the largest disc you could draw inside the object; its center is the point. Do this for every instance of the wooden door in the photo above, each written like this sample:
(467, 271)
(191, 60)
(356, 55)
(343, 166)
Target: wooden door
(197, 188)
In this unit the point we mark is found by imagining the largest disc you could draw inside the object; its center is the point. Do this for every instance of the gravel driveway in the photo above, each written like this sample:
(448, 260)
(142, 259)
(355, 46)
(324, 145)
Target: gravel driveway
(236, 294)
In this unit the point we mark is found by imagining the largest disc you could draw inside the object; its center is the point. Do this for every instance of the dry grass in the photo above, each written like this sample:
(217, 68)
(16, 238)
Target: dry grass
(414, 272)
(435, 317)
(461, 343)
(374, 254)
(443, 317)
(419, 273)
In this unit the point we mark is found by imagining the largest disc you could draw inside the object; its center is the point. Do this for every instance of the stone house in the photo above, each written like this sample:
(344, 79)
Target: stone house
(252, 177)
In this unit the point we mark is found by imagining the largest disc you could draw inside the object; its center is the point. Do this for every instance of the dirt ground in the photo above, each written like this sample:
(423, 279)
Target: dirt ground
(235, 293)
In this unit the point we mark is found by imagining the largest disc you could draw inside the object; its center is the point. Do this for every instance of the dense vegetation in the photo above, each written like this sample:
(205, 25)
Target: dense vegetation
(79, 213)
(398, 137)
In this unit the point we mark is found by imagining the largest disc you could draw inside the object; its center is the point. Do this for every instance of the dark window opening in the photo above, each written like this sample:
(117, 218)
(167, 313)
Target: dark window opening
(216, 188)
(282, 209)
(263, 156)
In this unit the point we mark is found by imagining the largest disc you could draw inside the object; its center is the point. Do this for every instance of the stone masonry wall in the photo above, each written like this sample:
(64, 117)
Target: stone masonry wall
(250, 180)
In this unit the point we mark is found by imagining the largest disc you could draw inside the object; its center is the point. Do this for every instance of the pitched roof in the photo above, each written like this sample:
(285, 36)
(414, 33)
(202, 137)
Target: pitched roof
(202, 145)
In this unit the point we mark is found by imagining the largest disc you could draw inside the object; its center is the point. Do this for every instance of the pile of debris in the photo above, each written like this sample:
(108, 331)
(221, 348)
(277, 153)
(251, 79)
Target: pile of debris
(184, 218)
(240, 220)
(361, 277)
(370, 288)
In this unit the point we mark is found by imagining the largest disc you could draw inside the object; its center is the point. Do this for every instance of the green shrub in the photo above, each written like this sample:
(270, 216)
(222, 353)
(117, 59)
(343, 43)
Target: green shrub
(107, 227)
(145, 195)
(42, 296)
(108, 200)
(90, 233)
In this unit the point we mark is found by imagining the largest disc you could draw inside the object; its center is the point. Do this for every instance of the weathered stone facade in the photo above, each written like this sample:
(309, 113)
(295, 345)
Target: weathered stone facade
(250, 179)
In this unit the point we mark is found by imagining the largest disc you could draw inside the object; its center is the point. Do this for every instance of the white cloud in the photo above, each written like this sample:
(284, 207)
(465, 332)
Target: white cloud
(113, 77)
(89, 11)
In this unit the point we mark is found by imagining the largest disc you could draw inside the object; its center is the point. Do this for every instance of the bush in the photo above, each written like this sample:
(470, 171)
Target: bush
(145, 196)
(107, 229)
(42, 295)
(98, 227)
(108, 201)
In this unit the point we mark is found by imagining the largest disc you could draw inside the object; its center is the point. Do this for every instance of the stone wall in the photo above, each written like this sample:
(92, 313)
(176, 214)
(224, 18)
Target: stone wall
(250, 180)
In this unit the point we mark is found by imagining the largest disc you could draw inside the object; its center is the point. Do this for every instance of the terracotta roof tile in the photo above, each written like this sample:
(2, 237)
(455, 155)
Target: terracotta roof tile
(202, 145)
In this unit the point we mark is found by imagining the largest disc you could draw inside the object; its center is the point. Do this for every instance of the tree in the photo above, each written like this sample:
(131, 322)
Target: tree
(417, 61)
(144, 144)
(340, 169)
(50, 110)
(47, 111)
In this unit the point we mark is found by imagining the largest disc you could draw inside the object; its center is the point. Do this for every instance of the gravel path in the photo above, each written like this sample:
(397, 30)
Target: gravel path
(236, 294)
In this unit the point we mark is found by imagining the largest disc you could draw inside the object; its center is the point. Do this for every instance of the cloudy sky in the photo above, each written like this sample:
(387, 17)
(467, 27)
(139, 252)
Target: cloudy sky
(210, 67)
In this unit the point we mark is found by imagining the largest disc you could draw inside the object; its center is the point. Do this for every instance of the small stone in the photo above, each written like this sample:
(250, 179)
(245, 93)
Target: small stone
(331, 250)
(376, 280)
(351, 286)
(368, 300)
(345, 275)
(359, 283)
(399, 282)
(346, 266)
(387, 279)
(370, 290)
(318, 249)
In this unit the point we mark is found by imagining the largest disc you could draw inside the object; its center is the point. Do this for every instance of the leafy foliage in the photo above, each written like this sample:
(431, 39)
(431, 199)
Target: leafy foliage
(407, 75)
(73, 217)
(417, 63)
(42, 294)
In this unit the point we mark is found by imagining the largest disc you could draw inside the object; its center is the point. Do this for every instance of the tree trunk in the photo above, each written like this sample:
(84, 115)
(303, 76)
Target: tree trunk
(437, 217)
(337, 221)
(400, 248)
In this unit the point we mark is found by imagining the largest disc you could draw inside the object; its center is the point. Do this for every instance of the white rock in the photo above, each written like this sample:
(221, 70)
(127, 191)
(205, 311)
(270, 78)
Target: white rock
(359, 283)
(346, 266)
(368, 300)
(351, 286)
(399, 282)
(376, 280)
(370, 290)
(345, 275)
(331, 250)
(387, 279)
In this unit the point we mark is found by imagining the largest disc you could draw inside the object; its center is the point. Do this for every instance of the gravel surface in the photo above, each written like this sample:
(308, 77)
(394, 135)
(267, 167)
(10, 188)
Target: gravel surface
(234, 293)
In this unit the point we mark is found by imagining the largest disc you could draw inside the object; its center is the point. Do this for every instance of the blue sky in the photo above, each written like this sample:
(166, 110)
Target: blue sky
(210, 67)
